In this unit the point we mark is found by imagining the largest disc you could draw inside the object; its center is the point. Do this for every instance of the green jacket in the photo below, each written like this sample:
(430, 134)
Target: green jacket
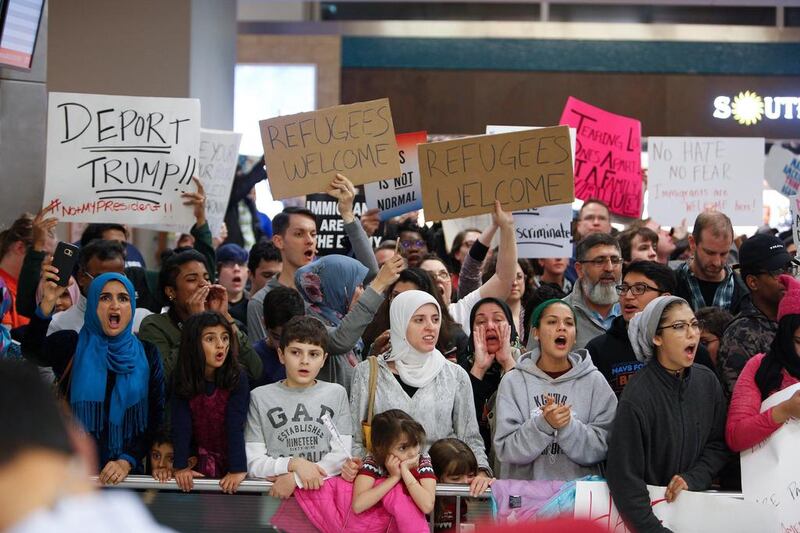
(160, 330)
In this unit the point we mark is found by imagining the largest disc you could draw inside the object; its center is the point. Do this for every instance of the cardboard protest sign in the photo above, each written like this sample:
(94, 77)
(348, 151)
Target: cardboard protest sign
(607, 157)
(782, 170)
(544, 232)
(304, 152)
(331, 238)
(770, 469)
(691, 512)
(463, 177)
(689, 174)
(494, 129)
(121, 159)
(400, 195)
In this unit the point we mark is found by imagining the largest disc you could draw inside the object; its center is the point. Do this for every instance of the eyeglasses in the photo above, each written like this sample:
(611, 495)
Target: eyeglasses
(683, 327)
(791, 269)
(637, 289)
(603, 259)
(442, 275)
(415, 244)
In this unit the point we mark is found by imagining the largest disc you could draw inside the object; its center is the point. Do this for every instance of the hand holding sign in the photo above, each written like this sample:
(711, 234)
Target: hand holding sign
(43, 228)
(197, 200)
(343, 190)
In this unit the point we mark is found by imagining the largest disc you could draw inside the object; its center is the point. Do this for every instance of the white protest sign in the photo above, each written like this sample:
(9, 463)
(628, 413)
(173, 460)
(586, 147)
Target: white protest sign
(395, 197)
(453, 226)
(691, 512)
(219, 152)
(544, 232)
(794, 207)
(216, 168)
(121, 159)
(689, 174)
(771, 470)
(782, 170)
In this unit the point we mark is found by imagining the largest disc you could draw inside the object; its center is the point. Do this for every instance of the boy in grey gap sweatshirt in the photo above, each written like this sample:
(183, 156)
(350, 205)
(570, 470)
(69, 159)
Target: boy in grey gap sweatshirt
(285, 436)
(528, 447)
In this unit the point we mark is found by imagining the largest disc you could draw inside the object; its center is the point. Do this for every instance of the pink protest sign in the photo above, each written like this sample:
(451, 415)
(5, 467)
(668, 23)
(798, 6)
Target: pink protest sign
(607, 157)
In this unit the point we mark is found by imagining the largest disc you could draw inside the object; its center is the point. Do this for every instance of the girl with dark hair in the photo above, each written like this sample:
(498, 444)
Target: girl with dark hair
(453, 462)
(113, 381)
(209, 404)
(396, 458)
(555, 410)
(452, 339)
(494, 347)
(766, 374)
(670, 424)
(185, 283)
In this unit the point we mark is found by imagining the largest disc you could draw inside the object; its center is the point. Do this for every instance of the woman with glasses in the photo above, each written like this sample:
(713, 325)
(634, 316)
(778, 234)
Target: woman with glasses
(612, 353)
(764, 375)
(670, 423)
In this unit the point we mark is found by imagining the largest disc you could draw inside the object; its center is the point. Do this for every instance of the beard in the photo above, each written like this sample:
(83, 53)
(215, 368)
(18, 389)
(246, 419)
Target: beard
(599, 293)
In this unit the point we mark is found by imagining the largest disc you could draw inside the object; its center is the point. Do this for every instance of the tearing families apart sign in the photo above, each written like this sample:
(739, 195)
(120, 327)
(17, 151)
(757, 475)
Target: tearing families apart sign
(464, 177)
(687, 175)
(402, 194)
(771, 470)
(122, 159)
(304, 152)
(607, 157)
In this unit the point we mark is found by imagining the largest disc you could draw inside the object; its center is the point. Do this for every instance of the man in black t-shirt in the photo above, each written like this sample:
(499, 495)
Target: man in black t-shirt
(706, 279)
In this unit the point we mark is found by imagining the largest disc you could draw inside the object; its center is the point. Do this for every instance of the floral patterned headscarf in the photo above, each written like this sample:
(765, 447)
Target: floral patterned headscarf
(328, 285)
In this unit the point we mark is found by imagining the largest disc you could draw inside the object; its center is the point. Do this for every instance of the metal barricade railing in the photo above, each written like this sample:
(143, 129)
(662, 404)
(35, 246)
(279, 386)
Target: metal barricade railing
(210, 486)
(251, 486)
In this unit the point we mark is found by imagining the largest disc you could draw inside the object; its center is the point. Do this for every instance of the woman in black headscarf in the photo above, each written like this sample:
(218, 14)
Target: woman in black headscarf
(492, 351)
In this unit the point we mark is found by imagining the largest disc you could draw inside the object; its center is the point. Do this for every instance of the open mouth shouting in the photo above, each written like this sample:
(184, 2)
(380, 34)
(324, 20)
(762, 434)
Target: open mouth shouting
(561, 342)
(114, 321)
(690, 350)
(309, 254)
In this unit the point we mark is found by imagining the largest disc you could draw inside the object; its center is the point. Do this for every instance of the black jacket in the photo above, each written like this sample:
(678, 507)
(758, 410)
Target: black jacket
(665, 425)
(613, 356)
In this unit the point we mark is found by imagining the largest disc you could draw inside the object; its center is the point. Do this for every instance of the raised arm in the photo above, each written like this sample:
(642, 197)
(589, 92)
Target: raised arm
(499, 285)
(469, 278)
(345, 192)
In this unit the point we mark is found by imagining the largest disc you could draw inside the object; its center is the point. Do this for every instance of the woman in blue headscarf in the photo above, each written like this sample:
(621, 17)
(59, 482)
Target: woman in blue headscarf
(113, 382)
(331, 285)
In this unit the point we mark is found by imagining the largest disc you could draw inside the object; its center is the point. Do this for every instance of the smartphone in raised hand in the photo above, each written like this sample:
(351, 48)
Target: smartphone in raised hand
(64, 259)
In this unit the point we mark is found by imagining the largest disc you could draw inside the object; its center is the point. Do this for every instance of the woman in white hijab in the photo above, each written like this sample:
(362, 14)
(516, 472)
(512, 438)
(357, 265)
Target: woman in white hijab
(415, 377)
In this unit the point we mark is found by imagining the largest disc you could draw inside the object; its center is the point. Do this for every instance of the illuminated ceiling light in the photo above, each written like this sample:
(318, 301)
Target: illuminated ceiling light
(748, 108)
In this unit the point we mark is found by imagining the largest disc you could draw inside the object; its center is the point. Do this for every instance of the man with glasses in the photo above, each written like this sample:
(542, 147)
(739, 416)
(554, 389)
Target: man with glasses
(706, 279)
(594, 297)
(762, 259)
(612, 352)
(594, 216)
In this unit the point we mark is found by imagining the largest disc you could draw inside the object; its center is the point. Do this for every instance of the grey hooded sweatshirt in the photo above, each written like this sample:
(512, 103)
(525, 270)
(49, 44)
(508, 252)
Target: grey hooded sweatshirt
(525, 443)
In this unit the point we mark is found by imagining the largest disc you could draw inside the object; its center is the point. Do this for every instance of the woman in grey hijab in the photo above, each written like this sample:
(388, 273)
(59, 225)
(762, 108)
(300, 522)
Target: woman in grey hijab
(670, 424)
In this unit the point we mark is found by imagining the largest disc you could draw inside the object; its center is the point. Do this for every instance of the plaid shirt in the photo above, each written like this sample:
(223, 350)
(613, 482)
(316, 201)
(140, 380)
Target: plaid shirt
(722, 298)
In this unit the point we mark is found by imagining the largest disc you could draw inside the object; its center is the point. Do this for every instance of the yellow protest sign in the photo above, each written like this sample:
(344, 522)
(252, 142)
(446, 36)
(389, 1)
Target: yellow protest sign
(304, 152)
(524, 169)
